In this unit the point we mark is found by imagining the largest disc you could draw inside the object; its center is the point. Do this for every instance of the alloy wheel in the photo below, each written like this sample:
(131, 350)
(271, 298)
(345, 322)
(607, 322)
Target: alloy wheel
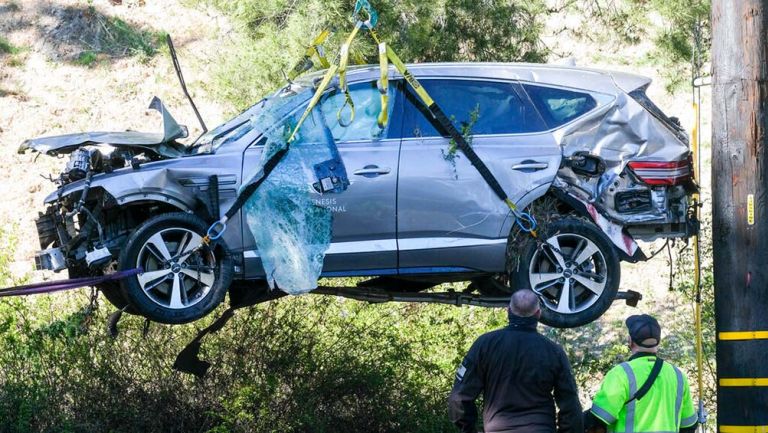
(175, 276)
(568, 272)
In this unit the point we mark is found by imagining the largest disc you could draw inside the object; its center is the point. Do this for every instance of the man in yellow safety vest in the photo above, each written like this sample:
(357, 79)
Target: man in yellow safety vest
(645, 393)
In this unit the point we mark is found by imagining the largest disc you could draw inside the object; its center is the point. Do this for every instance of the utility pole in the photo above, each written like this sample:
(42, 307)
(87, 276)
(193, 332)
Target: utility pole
(740, 212)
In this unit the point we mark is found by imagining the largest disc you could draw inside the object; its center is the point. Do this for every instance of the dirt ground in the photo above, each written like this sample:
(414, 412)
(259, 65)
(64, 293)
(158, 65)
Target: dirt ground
(43, 91)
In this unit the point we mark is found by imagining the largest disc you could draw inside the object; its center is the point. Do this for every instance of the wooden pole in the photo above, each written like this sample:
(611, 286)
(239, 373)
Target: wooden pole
(740, 216)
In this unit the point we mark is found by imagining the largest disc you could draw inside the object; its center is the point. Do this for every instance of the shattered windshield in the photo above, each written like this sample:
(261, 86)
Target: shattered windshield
(282, 102)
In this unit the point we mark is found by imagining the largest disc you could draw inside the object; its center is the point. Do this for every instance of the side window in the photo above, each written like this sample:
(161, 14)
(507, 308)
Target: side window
(560, 106)
(497, 106)
(367, 100)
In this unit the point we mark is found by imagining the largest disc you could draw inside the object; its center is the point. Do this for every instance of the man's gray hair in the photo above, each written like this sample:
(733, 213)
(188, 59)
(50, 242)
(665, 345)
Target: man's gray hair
(524, 303)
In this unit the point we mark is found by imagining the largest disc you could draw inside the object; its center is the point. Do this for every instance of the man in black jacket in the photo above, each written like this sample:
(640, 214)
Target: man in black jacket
(521, 375)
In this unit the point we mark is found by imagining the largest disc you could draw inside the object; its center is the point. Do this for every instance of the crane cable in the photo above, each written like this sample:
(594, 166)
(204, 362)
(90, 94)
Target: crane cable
(696, 199)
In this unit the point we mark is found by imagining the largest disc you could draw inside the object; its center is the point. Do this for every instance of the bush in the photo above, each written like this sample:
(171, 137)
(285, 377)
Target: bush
(6, 47)
(307, 364)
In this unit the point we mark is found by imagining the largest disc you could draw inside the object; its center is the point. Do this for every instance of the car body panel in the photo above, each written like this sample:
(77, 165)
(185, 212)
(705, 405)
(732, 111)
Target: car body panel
(364, 225)
(155, 142)
(441, 209)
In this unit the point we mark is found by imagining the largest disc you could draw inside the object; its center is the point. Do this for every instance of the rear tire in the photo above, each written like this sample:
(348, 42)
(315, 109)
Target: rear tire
(174, 288)
(575, 270)
(114, 294)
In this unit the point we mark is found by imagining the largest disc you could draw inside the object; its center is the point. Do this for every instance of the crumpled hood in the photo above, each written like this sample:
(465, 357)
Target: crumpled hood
(156, 142)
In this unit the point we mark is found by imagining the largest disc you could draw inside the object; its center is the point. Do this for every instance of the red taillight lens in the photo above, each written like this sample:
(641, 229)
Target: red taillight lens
(662, 172)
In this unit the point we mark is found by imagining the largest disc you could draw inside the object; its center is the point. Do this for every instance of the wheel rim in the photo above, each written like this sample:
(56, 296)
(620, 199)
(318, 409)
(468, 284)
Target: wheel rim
(569, 273)
(175, 277)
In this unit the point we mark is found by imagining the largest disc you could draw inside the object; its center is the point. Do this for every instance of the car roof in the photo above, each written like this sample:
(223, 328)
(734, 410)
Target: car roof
(567, 76)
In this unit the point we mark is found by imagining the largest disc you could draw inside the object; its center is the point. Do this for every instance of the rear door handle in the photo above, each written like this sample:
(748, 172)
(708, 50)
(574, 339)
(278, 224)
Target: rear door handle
(372, 171)
(530, 166)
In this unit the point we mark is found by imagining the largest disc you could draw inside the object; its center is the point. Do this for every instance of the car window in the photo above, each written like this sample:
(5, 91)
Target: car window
(260, 116)
(559, 106)
(367, 100)
(364, 127)
(498, 108)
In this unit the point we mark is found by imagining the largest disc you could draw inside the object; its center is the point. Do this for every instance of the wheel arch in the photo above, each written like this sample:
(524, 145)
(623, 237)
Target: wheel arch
(564, 204)
(139, 210)
(143, 199)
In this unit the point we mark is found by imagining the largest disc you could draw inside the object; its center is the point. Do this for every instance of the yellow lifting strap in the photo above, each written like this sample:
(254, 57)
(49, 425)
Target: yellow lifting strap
(314, 49)
(383, 85)
(415, 85)
(697, 265)
(343, 62)
(315, 99)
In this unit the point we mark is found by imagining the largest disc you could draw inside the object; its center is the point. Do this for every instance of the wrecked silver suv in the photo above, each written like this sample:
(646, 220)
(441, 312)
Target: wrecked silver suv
(586, 152)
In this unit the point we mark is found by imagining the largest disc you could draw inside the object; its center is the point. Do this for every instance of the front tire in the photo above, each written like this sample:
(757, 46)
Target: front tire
(574, 269)
(177, 286)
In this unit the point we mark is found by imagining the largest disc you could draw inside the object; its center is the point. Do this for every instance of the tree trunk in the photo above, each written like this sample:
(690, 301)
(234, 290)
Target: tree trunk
(740, 217)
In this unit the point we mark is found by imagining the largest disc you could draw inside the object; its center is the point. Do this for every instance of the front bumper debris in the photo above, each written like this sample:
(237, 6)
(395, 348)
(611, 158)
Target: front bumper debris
(51, 259)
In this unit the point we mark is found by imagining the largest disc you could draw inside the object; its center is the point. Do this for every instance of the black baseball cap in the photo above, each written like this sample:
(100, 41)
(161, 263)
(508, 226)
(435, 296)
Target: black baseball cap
(643, 327)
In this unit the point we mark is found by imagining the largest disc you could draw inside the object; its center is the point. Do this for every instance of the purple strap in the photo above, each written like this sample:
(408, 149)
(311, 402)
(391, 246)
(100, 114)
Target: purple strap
(73, 283)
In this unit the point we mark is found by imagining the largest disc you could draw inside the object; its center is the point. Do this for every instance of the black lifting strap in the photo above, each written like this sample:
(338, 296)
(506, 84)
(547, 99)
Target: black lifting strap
(188, 360)
(465, 148)
(249, 189)
(648, 382)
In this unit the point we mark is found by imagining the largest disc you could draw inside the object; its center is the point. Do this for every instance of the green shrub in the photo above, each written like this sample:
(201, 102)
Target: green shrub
(311, 363)
(121, 36)
(86, 58)
(6, 47)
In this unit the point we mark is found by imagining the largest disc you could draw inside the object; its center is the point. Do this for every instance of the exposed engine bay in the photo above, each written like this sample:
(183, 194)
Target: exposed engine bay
(76, 222)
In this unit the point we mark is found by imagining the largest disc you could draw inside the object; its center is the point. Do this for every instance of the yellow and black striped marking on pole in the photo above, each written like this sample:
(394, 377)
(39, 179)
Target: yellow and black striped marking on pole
(744, 429)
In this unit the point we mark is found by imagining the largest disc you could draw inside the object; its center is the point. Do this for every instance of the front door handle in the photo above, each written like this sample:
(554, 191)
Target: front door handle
(372, 171)
(530, 166)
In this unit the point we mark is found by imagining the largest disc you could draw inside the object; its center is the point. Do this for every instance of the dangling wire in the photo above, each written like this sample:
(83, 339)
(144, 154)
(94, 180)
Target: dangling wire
(696, 67)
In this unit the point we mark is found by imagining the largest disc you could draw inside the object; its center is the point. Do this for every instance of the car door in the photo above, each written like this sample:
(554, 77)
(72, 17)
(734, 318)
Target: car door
(364, 217)
(449, 219)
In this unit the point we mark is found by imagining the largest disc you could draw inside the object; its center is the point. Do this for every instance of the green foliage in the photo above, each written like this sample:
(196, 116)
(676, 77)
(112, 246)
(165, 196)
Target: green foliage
(103, 37)
(310, 363)
(277, 32)
(685, 32)
(6, 47)
(10, 54)
(678, 28)
(120, 35)
(451, 153)
(86, 58)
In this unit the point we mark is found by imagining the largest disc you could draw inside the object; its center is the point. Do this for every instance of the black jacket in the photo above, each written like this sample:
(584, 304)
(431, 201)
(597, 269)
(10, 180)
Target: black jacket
(521, 375)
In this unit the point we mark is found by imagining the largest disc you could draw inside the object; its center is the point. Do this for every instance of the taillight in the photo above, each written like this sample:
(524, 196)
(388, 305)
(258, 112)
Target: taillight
(662, 172)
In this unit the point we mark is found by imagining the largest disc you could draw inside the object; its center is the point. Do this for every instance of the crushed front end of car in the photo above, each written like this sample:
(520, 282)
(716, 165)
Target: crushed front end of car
(81, 223)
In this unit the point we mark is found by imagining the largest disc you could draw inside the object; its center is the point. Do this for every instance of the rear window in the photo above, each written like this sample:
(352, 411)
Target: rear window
(559, 106)
(643, 99)
(497, 107)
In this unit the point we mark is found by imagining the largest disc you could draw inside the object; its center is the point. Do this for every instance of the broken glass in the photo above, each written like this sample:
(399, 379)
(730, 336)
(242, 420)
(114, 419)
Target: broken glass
(292, 232)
